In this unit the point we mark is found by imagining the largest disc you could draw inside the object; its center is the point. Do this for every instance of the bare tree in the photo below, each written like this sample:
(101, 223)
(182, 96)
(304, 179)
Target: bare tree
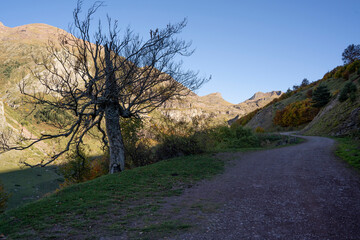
(103, 77)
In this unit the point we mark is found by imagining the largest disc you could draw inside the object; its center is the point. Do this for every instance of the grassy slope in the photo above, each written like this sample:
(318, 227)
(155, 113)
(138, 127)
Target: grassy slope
(110, 202)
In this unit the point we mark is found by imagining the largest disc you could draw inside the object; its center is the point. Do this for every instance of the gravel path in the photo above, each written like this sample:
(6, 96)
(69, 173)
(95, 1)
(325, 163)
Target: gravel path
(297, 192)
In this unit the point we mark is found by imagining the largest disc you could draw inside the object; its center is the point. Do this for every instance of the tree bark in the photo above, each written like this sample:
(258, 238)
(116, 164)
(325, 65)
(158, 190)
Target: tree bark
(112, 117)
(116, 145)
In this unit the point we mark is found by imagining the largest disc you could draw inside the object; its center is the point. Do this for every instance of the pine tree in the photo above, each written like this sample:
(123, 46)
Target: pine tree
(321, 96)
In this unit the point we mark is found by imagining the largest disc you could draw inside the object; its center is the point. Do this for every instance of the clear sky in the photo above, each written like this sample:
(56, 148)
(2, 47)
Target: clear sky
(246, 45)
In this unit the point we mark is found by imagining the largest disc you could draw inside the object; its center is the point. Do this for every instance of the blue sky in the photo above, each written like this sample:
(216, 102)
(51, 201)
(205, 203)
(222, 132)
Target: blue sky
(246, 45)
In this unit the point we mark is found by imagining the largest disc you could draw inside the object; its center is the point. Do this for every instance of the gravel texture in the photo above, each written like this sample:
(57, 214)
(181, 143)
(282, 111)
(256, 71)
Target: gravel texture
(297, 192)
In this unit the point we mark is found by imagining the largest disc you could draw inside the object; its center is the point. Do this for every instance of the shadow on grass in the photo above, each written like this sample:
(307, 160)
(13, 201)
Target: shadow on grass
(30, 184)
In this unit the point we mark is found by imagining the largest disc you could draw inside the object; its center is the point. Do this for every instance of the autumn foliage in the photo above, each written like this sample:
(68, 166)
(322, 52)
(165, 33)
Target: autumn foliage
(296, 114)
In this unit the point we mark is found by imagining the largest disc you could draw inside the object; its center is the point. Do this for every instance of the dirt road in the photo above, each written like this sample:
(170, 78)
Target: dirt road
(296, 192)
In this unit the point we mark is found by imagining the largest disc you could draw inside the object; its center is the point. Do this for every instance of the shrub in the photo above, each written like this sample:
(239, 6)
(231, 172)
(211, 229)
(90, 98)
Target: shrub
(235, 137)
(4, 196)
(353, 67)
(332, 73)
(259, 130)
(348, 91)
(77, 168)
(137, 147)
(295, 114)
(327, 75)
(339, 71)
(175, 146)
(81, 168)
(7, 68)
(345, 75)
(309, 93)
(52, 115)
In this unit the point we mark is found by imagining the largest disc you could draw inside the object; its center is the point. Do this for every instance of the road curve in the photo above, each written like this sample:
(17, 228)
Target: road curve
(296, 192)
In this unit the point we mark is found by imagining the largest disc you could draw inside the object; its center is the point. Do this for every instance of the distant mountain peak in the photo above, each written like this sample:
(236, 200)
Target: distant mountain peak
(259, 95)
(216, 94)
(216, 98)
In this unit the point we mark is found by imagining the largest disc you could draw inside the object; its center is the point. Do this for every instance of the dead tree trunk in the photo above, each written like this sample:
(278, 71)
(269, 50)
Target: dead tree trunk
(112, 117)
(116, 145)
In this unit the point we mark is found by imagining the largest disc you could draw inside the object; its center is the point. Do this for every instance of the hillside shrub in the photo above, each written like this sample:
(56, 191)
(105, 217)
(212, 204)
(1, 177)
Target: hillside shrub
(331, 73)
(53, 116)
(176, 146)
(321, 96)
(4, 196)
(77, 168)
(345, 75)
(353, 67)
(235, 137)
(259, 130)
(339, 72)
(295, 114)
(137, 147)
(7, 68)
(81, 168)
(348, 91)
(309, 93)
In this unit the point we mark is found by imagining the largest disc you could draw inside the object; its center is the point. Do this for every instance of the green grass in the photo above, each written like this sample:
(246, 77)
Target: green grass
(349, 150)
(122, 197)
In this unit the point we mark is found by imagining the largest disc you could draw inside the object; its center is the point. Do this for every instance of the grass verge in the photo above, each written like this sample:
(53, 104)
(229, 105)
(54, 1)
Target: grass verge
(348, 149)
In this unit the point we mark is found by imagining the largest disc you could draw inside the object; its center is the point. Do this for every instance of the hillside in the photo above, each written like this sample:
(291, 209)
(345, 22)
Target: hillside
(337, 118)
